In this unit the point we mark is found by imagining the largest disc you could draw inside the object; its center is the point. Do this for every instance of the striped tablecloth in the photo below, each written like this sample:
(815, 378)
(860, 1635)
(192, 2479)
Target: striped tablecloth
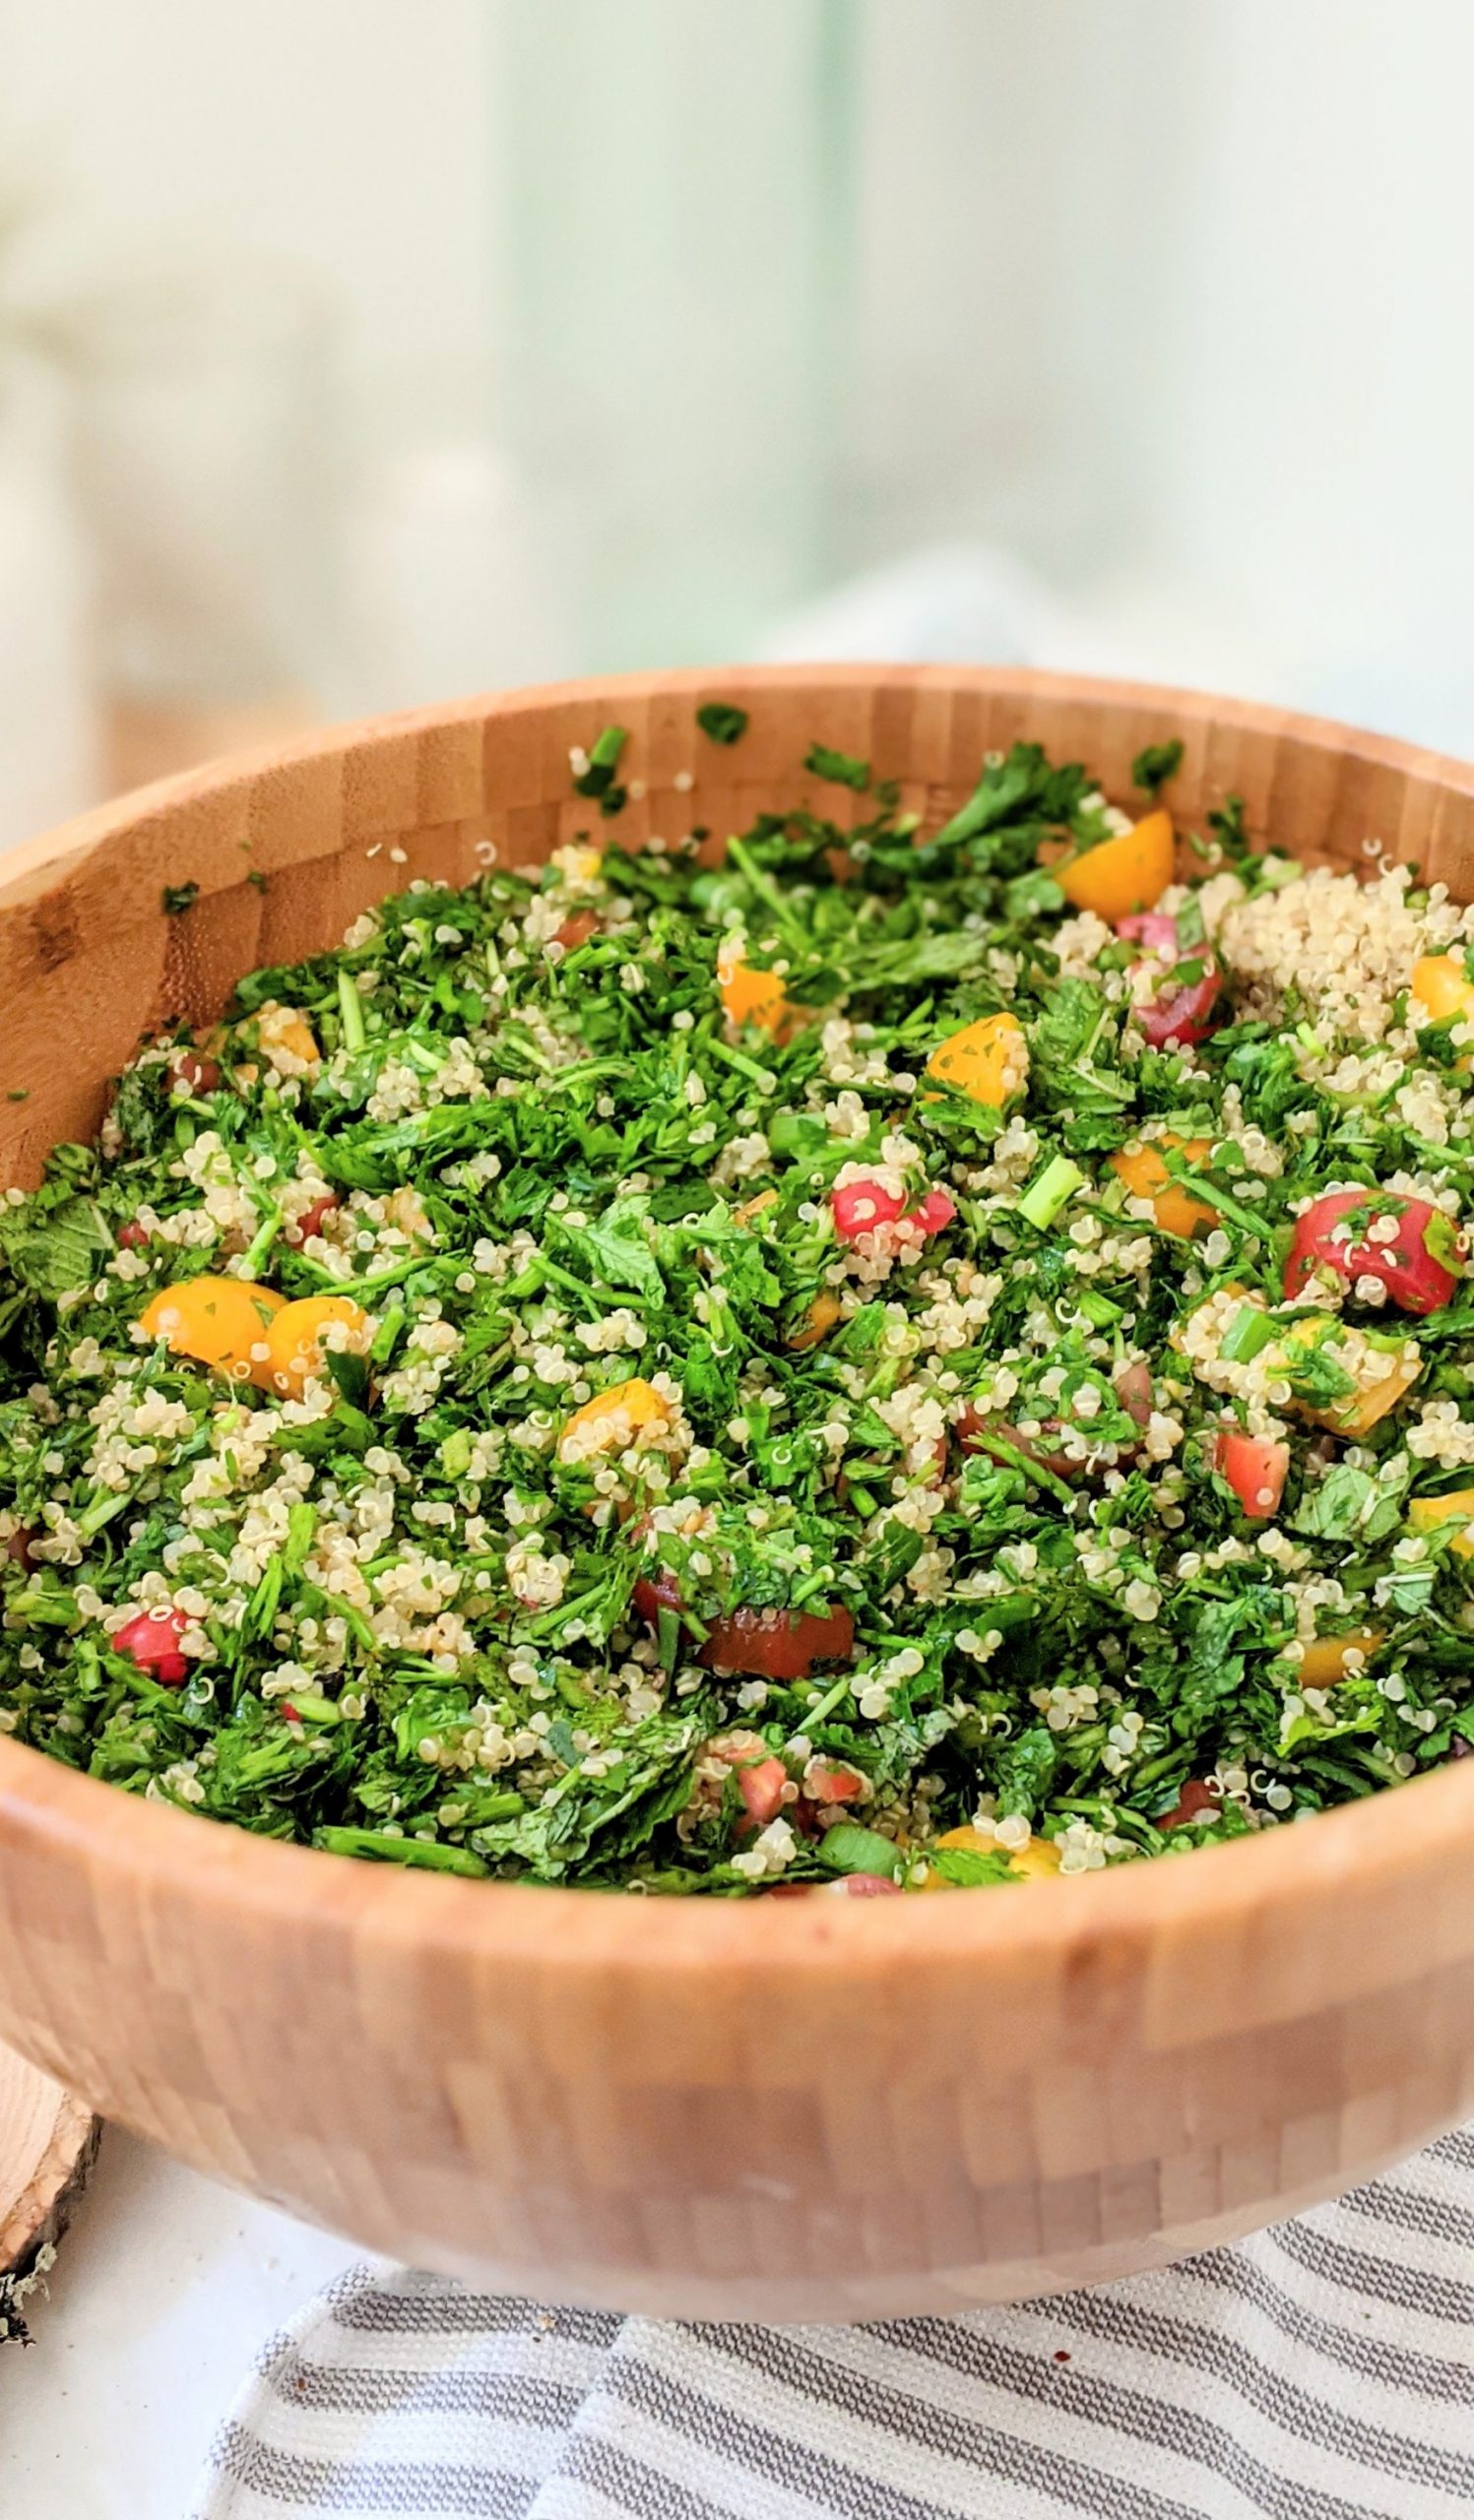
(1322, 2371)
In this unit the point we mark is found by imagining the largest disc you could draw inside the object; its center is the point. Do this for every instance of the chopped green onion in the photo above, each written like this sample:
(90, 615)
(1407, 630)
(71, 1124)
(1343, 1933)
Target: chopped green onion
(350, 1010)
(842, 766)
(1050, 1191)
(1249, 1331)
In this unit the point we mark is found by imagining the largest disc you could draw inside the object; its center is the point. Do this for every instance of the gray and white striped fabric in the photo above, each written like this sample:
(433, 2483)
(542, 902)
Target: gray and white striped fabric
(1322, 2371)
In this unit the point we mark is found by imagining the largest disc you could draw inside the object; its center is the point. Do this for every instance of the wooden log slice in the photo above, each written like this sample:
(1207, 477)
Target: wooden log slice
(47, 2145)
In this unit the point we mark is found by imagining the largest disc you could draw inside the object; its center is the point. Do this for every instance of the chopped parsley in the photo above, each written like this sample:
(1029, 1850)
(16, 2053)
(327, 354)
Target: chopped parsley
(1155, 764)
(560, 1388)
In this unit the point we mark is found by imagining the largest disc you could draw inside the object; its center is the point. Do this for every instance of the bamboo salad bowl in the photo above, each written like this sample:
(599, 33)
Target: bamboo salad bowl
(786, 2109)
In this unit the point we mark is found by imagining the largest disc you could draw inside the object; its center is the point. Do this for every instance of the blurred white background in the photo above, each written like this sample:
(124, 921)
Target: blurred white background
(383, 352)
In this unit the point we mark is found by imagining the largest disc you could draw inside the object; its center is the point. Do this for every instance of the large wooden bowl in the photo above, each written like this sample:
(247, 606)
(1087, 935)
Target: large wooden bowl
(788, 2109)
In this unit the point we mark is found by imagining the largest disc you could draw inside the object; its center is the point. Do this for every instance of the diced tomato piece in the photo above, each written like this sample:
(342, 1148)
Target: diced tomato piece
(935, 1213)
(1123, 874)
(577, 929)
(861, 1205)
(1156, 929)
(152, 1641)
(1134, 1391)
(778, 1645)
(656, 1592)
(1411, 1266)
(310, 1222)
(761, 1788)
(132, 1237)
(17, 1546)
(1192, 1804)
(1184, 1014)
(832, 1785)
(1255, 1469)
(191, 1072)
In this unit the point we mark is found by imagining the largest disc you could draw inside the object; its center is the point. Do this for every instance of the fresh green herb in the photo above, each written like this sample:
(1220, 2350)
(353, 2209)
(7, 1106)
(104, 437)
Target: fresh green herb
(596, 777)
(1229, 829)
(841, 767)
(1155, 765)
(722, 721)
(178, 897)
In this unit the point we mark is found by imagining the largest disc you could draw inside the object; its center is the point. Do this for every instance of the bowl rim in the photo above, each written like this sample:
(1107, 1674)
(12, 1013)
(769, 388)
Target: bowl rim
(59, 1813)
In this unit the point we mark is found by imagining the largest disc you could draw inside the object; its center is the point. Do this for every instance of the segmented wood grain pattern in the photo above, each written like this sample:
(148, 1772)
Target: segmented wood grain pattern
(798, 2109)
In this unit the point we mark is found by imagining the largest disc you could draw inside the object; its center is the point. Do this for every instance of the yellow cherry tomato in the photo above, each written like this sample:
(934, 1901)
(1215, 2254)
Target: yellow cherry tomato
(219, 1321)
(1039, 1861)
(1382, 1369)
(1440, 987)
(287, 1038)
(612, 1420)
(987, 1060)
(1427, 1513)
(1146, 1176)
(752, 997)
(1129, 873)
(295, 1340)
(816, 1324)
(1324, 1661)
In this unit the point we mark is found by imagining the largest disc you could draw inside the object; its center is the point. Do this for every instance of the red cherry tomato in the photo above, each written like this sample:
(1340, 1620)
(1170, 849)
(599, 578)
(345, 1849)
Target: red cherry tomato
(761, 1788)
(832, 1785)
(1184, 1014)
(1414, 1276)
(933, 1212)
(861, 1205)
(1196, 1799)
(310, 1222)
(778, 1645)
(1255, 1469)
(656, 1592)
(1133, 1389)
(191, 1072)
(153, 1640)
(864, 1885)
(132, 1237)
(577, 931)
(1156, 929)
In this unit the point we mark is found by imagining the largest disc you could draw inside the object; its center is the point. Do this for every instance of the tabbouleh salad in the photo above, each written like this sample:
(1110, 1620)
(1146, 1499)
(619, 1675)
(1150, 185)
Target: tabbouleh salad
(894, 1363)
